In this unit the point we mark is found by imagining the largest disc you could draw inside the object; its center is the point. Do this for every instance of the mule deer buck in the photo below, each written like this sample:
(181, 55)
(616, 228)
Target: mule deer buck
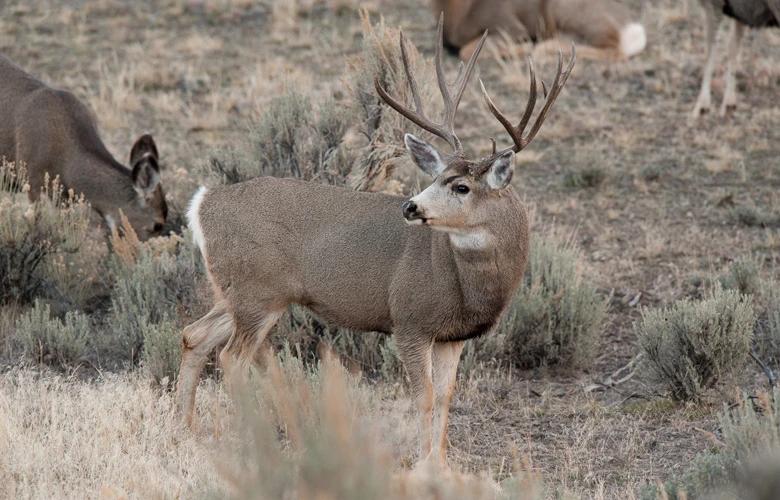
(433, 270)
(605, 25)
(751, 13)
(53, 133)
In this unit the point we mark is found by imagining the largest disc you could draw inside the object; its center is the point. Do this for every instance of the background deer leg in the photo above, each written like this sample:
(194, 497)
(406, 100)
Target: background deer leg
(446, 356)
(198, 340)
(705, 95)
(735, 44)
(416, 355)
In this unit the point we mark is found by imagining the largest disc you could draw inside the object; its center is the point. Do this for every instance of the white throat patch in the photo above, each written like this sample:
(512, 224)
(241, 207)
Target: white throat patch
(472, 240)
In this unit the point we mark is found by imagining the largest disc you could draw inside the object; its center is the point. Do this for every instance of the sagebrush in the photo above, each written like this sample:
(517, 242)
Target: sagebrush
(692, 345)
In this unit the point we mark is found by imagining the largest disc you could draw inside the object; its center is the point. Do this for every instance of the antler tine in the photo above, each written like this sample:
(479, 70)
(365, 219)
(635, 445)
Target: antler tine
(446, 129)
(555, 90)
(418, 116)
(516, 133)
(409, 75)
(464, 75)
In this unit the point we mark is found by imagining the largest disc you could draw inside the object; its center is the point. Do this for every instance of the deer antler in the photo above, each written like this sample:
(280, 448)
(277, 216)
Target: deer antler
(445, 129)
(516, 133)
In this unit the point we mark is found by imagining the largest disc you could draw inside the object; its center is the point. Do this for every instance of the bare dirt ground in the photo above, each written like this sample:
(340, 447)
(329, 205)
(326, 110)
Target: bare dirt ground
(663, 219)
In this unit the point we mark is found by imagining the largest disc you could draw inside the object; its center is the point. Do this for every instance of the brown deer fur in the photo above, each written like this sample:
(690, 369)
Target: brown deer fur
(602, 24)
(51, 132)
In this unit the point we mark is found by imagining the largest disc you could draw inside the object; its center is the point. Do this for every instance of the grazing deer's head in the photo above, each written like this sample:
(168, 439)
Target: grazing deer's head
(463, 190)
(147, 210)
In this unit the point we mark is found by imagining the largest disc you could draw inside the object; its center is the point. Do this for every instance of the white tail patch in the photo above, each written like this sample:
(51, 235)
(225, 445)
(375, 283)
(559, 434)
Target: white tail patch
(193, 218)
(632, 39)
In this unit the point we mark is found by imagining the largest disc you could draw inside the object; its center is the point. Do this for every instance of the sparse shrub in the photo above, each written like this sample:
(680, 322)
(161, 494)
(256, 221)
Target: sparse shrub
(155, 283)
(693, 344)
(743, 276)
(754, 217)
(737, 469)
(382, 163)
(161, 353)
(589, 177)
(554, 318)
(48, 340)
(334, 444)
(293, 138)
(768, 323)
(33, 234)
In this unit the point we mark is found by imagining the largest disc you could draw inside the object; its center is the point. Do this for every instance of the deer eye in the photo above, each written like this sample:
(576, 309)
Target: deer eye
(461, 189)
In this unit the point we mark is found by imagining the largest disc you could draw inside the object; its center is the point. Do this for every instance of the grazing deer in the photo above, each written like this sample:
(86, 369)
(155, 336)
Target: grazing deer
(751, 13)
(53, 133)
(434, 270)
(601, 24)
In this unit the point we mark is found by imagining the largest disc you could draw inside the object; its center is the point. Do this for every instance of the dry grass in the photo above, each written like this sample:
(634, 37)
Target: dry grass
(675, 206)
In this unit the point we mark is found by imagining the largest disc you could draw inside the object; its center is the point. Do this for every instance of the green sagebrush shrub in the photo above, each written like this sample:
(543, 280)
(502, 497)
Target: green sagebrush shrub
(155, 284)
(50, 341)
(293, 138)
(691, 345)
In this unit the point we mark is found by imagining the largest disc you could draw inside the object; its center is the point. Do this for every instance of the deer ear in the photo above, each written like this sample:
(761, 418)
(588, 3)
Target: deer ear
(500, 172)
(424, 155)
(146, 175)
(143, 147)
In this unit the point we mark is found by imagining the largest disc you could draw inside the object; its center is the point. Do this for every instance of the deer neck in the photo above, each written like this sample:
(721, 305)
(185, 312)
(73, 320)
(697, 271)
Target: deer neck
(488, 264)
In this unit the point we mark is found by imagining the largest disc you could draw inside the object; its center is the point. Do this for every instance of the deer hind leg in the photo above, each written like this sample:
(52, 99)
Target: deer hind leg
(446, 356)
(198, 340)
(704, 101)
(735, 44)
(246, 344)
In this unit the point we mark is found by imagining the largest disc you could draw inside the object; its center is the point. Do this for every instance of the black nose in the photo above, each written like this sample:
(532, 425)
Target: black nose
(410, 209)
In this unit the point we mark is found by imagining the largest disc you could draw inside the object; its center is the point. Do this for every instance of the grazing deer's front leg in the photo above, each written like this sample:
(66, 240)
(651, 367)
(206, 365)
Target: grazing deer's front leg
(735, 44)
(416, 352)
(446, 356)
(705, 94)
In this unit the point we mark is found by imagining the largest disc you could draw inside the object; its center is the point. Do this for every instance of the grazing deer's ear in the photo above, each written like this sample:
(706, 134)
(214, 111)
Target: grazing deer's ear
(424, 155)
(500, 172)
(146, 175)
(143, 147)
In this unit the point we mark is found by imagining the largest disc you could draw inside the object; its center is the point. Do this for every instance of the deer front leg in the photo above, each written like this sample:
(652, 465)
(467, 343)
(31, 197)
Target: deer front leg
(735, 44)
(416, 356)
(704, 100)
(446, 356)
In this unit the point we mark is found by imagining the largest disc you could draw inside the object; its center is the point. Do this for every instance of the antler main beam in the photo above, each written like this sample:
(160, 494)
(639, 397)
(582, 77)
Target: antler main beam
(445, 129)
(517, 132)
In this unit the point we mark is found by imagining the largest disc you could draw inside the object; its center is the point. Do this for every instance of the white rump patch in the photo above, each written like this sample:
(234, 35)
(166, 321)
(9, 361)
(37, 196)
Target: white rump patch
(472, 240)
(193, 218)
(632, 39)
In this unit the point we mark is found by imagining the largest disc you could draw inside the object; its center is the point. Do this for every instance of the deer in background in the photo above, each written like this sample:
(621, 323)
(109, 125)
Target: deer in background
(52, 133)
(751, 13)
(434, 270)
(605, 25)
